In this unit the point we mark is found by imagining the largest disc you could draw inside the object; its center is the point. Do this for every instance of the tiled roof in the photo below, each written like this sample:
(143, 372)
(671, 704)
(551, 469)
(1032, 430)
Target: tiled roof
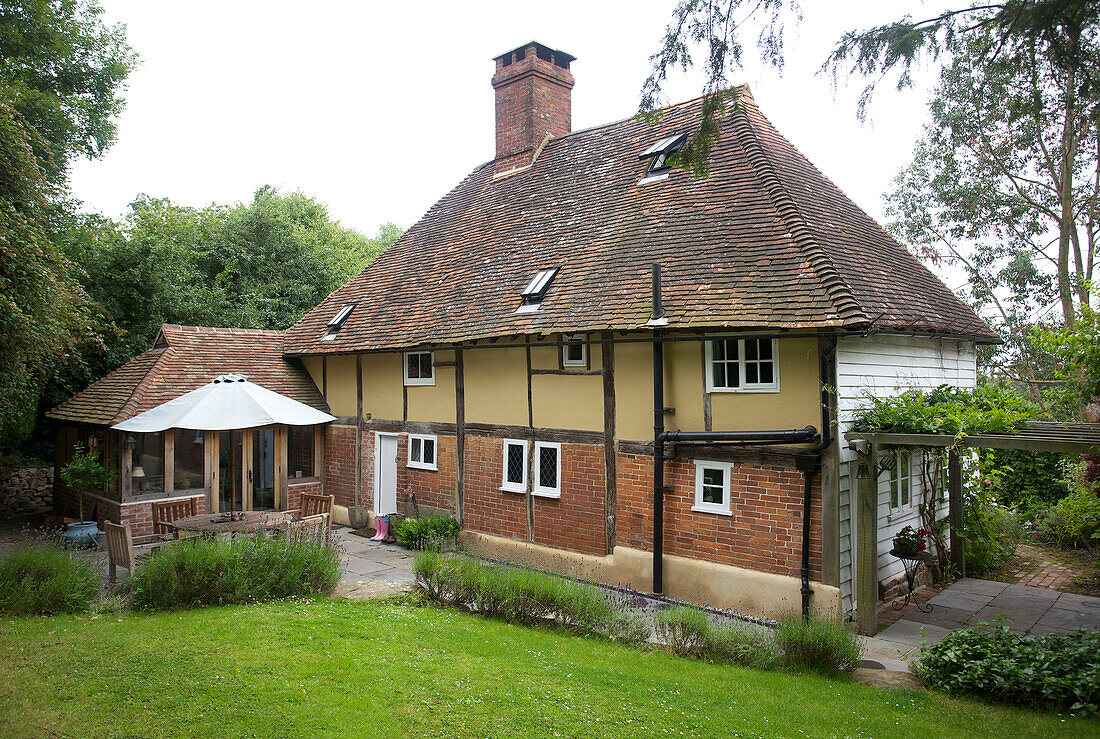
(185, 358)
(765, 242)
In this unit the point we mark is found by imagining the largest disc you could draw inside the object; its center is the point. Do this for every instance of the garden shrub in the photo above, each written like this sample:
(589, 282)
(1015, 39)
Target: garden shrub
(206, 572)
(684, 630)
(818, 646)
(44, 579)
(987, 409)
(1025, 480)
(991, 531)
(743, 645)
(1072, 522)
(1059, 672)
(427, 531)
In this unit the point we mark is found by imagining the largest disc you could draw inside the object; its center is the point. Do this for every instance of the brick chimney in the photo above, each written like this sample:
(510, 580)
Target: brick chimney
(533, 90)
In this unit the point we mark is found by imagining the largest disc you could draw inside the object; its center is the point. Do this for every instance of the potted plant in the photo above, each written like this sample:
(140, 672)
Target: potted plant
(910, 540)
(84, 472)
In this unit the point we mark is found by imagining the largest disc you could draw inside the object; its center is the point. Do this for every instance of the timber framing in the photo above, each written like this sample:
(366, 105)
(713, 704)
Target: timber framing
(1036, 436)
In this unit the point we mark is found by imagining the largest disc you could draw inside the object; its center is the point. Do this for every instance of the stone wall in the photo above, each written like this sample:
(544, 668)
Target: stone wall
(25, 491)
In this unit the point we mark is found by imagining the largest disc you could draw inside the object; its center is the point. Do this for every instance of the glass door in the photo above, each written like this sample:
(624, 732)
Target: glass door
(263, 470)
(230, 468)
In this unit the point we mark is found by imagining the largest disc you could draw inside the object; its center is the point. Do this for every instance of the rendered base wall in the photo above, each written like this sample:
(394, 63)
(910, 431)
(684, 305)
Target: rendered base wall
(704, 583)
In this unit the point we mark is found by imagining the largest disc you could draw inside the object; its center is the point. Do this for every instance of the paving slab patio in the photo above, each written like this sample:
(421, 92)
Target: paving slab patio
(372, 569)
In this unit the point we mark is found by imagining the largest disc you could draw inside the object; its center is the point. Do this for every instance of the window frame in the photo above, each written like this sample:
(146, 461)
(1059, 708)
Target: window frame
(536, 487)
(574, 340)
(700, 506)
(506, 485)
(413, 381)
(744, 387)
(896, 481)
(420, 464)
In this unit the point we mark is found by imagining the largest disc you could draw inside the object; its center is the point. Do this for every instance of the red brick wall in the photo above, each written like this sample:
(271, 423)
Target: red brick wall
(340, 463)
(488, 509)
(576, 521)
(433, 488)
(140, 515)
(295, 490)
(764, 533)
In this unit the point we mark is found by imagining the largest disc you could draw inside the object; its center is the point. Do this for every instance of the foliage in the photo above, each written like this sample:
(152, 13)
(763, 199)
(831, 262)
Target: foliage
(991, 531)
(44, 313)
(85, 471)
(1061, 30)
(429, 671)
(261, 264)
(44, 579)
(1056, 672)
(1023, 480)
(1076, 353)
(684, 630)
(64, 70)
(205, 572)
(826, 647)
(513, 594)
(1072, 522)
(987, 409)
(426, 531)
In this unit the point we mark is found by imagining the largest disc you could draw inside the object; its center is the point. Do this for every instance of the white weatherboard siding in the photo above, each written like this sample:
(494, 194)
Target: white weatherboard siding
(884, 365)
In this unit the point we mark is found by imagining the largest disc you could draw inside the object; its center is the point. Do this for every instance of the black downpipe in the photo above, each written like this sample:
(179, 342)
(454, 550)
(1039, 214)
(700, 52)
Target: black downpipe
(808, 465)
(658, 439)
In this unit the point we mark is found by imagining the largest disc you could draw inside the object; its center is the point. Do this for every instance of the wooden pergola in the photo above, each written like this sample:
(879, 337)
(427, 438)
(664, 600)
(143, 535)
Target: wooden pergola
(1036, 436)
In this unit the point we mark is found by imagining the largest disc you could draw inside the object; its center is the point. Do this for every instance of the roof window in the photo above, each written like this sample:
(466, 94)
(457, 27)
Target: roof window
(659, 154)
(536, 289)
(338, 320)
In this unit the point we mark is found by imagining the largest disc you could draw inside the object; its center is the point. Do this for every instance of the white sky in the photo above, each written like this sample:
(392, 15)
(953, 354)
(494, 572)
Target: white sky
(378, 109)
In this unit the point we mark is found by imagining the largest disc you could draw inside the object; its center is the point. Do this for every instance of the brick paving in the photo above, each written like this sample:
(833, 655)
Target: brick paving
(1047, 574)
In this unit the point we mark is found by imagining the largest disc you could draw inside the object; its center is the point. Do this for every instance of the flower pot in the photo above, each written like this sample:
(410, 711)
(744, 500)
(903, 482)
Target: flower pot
(358, 516)
(82, 534)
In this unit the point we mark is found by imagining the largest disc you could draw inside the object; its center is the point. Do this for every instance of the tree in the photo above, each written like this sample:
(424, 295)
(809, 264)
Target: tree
(1004, 185)
(64, 70)
(1061, 31)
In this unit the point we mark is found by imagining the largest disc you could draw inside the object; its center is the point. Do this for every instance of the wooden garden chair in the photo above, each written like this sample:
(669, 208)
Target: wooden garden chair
(167, 511)
(120, 547)
(317, 527)
(315, 505)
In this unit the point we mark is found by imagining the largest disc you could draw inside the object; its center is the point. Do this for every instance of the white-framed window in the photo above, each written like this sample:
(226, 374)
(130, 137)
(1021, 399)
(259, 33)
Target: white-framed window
(422, 451)
(419, 368)
(712, 487)
(574, 352)
(547, 469)
(903, 477)
(742, 365)
(514, 466)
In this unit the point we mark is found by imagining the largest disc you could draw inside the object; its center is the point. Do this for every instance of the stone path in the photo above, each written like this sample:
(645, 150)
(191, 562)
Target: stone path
(372, 569)
(1047, 573)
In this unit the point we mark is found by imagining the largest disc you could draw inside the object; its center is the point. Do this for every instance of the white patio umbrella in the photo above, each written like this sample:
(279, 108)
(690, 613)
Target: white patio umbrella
(229, 402)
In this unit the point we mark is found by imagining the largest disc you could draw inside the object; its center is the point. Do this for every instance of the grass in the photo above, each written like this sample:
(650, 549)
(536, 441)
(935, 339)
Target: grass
(334, 667)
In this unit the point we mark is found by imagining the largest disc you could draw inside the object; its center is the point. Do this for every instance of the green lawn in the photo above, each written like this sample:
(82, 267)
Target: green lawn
(334, 667)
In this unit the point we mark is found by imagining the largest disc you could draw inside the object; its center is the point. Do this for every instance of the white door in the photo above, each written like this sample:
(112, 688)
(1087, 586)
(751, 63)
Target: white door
(385, 474)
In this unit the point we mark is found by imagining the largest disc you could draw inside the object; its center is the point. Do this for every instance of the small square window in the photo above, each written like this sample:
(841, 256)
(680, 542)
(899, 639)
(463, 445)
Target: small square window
(419, 368)
(547, 469)
(742, 365)
(422, 452)
(574, 352)
(712, 487)
(514, 466)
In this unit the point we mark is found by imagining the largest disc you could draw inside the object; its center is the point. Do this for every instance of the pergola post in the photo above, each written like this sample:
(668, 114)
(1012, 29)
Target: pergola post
(955, 511)
(866, 570)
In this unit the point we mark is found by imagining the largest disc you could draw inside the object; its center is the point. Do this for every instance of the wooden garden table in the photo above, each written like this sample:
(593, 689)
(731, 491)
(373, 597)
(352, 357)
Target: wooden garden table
(214, 523)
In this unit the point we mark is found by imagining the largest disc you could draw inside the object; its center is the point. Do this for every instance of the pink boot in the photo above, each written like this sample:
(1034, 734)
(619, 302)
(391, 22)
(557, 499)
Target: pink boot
(381, 528)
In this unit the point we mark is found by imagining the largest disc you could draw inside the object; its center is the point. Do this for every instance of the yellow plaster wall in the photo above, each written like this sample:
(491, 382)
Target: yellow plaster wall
(341, 385)
(432, 402)
(567, 402)
(313, 367)
(382, 380)
(795, 406)
(495, 382)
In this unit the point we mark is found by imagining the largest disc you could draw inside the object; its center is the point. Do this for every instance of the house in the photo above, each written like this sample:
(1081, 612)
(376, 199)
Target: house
(242, 469)
(498, 361)
(600, 364)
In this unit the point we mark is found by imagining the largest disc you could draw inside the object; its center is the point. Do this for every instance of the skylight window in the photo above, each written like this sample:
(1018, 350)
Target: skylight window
(338, 320)
(537, 287)
(660, 152)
